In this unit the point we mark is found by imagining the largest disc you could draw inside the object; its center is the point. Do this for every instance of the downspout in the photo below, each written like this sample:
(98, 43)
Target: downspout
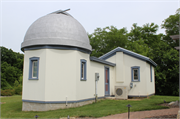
(96, 80)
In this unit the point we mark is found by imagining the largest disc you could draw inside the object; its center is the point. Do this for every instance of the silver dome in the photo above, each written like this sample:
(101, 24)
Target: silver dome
(56, 29)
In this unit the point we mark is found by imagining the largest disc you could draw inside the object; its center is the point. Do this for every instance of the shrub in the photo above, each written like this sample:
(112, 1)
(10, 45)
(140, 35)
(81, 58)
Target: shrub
(7, 92)
(16, 83)
(18, 90)
(4, 84)
(20, 79)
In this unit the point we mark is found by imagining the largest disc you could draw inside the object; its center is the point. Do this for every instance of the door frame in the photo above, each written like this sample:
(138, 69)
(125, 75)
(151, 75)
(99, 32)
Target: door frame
(105, 67)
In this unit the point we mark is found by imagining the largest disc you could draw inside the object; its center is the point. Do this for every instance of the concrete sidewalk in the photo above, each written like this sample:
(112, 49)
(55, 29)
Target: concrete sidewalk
(143, 114)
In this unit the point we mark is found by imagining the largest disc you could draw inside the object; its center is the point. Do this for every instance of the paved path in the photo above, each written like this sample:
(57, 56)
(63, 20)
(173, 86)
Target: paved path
(143, 114)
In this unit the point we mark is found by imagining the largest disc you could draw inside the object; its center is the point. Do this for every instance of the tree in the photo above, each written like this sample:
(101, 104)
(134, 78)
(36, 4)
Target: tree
(167, 70)
(139, 47)
(106, 39)
(145, 41)
(12, 58)
(8, 56)
(171, 26)
(142, 38)
(11, 67)
(4, 82)
(147, 33)
(159, 51)
(11, 73)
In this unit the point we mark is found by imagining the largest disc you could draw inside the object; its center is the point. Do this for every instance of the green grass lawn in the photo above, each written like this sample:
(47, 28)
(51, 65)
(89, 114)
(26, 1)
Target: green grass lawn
(12, 108)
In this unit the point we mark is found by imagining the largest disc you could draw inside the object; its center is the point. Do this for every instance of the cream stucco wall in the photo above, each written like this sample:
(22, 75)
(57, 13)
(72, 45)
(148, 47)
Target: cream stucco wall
(86, 89)
(150, 85)
(61, 73)
(112, 59)
(123, 74)
(139, 88)
(59, 76)
(34, 89)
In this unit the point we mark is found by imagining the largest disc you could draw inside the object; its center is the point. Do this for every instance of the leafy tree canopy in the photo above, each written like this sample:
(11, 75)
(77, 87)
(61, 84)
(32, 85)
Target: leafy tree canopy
(171, 26)
(11, 67)
(144, 40)
(106, 39)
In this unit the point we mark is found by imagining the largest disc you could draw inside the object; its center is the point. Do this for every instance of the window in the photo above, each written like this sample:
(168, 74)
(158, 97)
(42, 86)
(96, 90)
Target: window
(33, 67)
(135, 74)
(151, 73)
(83, 69)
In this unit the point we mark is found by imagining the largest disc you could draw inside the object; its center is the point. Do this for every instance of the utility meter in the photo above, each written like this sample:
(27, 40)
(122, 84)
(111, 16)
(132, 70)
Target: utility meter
(131, 85)
(96, 76)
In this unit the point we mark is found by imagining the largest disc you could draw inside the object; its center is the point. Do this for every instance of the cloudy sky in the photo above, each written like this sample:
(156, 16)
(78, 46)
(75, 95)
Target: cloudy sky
(18, 15)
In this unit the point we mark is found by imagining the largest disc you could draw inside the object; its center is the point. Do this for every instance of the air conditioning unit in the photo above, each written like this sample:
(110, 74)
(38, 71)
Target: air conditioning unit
(121, 92)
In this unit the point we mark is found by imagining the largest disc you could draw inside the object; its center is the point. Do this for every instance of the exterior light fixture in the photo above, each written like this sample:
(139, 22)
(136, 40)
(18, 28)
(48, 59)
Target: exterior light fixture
(36, 116)
(129, 110)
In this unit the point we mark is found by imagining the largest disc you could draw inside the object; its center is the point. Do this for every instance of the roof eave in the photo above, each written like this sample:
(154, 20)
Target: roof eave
(118, 49)
(102, 61)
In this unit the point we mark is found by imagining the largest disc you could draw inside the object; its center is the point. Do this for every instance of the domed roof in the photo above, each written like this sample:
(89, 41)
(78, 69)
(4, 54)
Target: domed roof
(57, 28)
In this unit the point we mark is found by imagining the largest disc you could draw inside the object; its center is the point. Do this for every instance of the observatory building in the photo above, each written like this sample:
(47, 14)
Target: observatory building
(59, 72)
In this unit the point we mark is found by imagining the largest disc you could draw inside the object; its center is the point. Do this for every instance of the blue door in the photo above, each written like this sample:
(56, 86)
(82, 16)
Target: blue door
(107, 81)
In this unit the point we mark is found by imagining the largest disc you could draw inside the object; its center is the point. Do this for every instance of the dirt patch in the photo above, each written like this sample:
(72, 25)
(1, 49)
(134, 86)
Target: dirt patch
(170, 106)
(163, 117)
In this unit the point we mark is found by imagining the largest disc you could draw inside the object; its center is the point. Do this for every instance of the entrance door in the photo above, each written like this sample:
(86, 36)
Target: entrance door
(107, 81)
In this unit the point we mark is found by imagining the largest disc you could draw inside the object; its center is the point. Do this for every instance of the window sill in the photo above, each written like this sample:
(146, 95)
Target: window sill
(83, 79)
(135, 81)
(33, 78)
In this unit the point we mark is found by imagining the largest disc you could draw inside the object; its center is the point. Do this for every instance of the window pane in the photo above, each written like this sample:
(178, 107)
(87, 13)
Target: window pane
(135, 71)
(82, 71)
(34, 69)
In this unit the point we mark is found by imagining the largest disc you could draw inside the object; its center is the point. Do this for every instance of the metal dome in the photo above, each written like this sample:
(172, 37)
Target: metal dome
(58, 28)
